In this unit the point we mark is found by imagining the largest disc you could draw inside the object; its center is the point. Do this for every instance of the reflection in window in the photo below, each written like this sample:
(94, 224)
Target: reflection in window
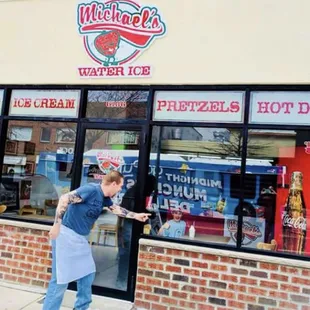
(281, 194)
(34, 173)
(45, 134)
(117, 104)
(65, 171)
(20, 133)
(65, 135)
(249, 186)
(197, 172)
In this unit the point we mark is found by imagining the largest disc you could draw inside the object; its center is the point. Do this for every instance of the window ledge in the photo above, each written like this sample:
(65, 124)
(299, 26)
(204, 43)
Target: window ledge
(241, 255)
(25, 224)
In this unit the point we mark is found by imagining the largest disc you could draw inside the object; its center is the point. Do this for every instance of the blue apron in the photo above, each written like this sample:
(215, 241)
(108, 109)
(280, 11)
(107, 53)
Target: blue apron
(74, 259)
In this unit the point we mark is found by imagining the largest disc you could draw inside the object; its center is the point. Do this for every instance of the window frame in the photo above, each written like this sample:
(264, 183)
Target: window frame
(50, 135)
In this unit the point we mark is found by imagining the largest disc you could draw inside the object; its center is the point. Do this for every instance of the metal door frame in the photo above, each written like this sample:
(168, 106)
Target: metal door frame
(144, 142)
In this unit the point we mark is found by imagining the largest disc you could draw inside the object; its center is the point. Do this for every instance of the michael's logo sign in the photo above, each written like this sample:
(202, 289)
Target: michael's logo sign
(115, 33)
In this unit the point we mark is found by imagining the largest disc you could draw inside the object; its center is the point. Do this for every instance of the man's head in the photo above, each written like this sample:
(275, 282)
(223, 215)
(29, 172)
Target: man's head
(112, 183)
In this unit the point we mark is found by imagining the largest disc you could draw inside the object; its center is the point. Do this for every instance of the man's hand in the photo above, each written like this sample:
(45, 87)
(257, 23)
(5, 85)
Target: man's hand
(54, 232)
(142, 217)
(122, 212)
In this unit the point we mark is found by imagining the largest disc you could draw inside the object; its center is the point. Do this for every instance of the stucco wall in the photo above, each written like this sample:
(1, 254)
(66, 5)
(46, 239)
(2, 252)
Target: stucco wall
(207, 42)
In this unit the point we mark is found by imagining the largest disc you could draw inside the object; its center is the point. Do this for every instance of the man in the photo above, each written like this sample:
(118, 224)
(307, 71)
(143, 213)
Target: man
(174, 228)
(128, 202)
(76, 214)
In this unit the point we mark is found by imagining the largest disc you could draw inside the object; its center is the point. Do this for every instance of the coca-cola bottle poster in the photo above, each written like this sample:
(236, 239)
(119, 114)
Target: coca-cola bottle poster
(292, 224)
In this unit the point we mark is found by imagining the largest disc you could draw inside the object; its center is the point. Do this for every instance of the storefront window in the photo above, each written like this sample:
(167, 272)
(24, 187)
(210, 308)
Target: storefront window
(34, 173)
(198, 182)
(282, 195)
(117, 104)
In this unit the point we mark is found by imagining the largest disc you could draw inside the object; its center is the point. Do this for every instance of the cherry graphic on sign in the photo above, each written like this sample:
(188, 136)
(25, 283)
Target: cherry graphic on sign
(107, 44)
(105, 164)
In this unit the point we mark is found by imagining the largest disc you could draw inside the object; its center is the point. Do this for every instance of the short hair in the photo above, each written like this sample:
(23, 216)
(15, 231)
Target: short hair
(112, 176)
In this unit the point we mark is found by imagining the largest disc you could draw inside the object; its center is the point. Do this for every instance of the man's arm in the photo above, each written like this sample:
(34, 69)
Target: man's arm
(64, 201)
(122, 212)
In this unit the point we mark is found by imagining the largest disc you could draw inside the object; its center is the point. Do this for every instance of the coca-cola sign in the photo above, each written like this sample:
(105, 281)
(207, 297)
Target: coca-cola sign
(250, 231)
(299, 223)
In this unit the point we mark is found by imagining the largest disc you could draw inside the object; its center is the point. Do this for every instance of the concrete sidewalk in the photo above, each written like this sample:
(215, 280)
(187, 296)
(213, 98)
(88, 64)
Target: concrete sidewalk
(19, 297)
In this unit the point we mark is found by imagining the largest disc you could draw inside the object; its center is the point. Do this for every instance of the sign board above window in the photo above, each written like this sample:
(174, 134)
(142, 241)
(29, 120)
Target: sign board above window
(1, 99)
(56, 103)
(119, 104)
(286, 108)
(199, 106)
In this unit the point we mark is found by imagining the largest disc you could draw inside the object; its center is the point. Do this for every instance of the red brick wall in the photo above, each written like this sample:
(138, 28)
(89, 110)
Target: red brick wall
(25, 255)
(187, 279)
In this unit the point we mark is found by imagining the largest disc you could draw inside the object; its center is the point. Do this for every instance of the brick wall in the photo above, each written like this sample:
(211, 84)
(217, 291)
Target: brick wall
(191, 277)
(25, 253)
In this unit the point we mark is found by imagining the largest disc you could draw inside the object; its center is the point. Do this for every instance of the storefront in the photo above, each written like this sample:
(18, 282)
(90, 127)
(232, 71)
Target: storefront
(220, 124)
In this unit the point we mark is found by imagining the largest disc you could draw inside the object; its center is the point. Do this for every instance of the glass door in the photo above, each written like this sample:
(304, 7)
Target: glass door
(110, 238)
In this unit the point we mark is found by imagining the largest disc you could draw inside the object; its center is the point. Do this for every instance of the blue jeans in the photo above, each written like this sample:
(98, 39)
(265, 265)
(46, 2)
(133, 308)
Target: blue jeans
(55, 292)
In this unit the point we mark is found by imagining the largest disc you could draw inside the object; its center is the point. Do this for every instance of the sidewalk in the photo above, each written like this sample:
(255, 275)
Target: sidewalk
(19, 297)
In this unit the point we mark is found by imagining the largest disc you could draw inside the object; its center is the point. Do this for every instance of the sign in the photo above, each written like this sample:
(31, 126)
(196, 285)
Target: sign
(253, 230)
(287, 108)
(115, 104)
(108, 162)
(1, 100)
(115, 33)
(199, 106)
(65, 150)
(15, 160)
(57, 103)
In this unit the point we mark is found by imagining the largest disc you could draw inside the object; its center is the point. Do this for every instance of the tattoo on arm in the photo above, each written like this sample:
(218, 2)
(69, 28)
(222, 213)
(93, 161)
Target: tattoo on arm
(74, 197)
(64, 201)
(122, 212)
